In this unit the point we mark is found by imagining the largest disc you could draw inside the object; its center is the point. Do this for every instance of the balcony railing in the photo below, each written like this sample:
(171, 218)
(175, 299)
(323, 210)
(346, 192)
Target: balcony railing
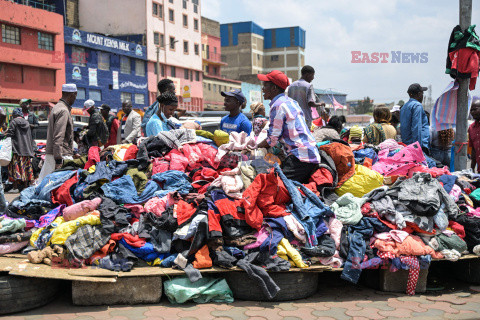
(213, 56)
(37, 4)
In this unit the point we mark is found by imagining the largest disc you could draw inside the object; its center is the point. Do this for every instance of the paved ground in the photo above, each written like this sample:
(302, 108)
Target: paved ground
(336, 300)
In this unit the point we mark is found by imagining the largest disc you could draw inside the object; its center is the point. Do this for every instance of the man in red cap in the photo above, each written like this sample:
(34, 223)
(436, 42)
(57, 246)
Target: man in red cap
(288, 126)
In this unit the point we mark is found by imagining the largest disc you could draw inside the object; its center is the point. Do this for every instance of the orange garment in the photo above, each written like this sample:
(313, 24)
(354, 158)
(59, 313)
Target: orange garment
(202, 259)
(411, 246)
(106, 249)
(344, 160)
(266, 196)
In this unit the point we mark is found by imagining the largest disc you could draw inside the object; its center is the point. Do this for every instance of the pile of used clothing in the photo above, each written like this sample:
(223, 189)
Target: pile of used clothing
(191, 200)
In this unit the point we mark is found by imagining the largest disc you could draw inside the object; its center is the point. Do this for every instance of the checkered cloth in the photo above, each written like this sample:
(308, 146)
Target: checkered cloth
(85, 241)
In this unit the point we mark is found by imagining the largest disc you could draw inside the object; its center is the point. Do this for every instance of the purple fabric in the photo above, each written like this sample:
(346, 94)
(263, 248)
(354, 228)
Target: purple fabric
(47, 218)
(261, 236)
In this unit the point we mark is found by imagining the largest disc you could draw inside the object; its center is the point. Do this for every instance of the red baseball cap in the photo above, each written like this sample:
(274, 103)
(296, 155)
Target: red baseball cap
(277, 77)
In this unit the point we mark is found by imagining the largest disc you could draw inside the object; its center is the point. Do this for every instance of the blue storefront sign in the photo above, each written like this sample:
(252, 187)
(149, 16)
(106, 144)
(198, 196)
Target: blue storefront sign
(105, 69)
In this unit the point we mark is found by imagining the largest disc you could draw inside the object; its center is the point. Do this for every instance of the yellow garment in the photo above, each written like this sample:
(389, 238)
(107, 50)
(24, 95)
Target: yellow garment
(205, 134)
(363, 181)
(220, 137)
(355, 132)
(92, 169)
(34, 237)
(120, 150)
(155, 262)
(289, 253)
(66, 229)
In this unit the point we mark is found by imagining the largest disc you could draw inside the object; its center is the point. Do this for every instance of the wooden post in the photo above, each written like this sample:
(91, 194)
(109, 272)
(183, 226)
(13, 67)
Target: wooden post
(465, 7)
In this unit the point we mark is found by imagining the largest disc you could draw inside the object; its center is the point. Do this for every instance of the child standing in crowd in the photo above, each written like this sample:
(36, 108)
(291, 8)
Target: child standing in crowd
(259, 119)
(474, 133)
(236, 120)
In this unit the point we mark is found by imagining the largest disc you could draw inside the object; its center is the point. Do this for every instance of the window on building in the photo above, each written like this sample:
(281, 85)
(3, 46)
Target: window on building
(45, 41)
(258, 57)
(185, 73)
(196, 49)
(80, 93)
(155, 9)
(78, 56)
(124, 96)
(209, 87)
(171, 1)
(10, 34)
(156, 38)
(214, 49)
(139, 98)
(191, 75)
(173, 72)
(215, 71)
(184, 4)
(140, 68)
(125, 65)
(171, 15)
(13, 73)
(195, 8)
(214, 87)
(219, 89)
(47, 77)
(274, 58)
(95, 95)
(207, 69)
(197, 76)
(103, 61)
(185, 21)
(185, 47)
(172, 43)
(162, 70)
(195, 24)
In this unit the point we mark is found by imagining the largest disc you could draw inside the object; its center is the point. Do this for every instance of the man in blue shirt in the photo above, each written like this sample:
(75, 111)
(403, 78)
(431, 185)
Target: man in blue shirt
(414, 124)
(236, 120)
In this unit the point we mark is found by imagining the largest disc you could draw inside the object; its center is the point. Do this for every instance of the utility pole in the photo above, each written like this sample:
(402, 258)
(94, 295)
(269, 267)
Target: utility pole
(465, 9)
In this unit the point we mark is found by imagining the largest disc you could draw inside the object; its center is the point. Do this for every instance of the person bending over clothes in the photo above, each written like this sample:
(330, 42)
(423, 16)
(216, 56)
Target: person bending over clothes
(288, 126)
(259, 119)
(381, 129)
(330, 131)
(236, 120)
(160, 121)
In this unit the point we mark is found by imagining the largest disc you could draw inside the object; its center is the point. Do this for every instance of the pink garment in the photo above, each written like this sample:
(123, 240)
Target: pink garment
(296, 227)
(410, 156)
(239, 141)
(12, 247)
(209, 154)
(334, 262)
(397, 235)
(158, 205)
(456, 192)
(136, 209)
(474, 213)
(177, 160)
(390, 145)
(232, 183)
(434, 172)
(159, 165)
(193, 153)
(335, 230)
(80, 209)
(261, 236)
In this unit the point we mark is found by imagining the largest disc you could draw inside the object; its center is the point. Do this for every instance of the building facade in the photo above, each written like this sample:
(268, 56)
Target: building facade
(212, 64)
(170, 29)
(249, 49)
(106, 70)
(32, 48)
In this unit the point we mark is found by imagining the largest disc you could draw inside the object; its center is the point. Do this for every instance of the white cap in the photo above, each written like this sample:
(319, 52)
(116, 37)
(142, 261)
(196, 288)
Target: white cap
(395, 108)
(88, 104)
(69, 87)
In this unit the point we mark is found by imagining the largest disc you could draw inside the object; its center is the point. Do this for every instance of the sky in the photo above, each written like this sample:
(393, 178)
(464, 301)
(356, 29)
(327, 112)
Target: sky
(336, 28)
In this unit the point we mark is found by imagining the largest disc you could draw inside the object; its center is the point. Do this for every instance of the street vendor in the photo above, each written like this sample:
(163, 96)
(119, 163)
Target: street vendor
(288, 126)
(161, 120)
(28, 114)
(236, 120)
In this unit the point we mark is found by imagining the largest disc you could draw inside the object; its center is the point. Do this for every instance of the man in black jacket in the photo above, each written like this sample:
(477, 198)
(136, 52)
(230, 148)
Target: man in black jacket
(97, 129)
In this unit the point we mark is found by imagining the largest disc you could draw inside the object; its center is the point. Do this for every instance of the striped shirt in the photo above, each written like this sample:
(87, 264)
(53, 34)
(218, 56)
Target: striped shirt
(444, 112)
(287, 125)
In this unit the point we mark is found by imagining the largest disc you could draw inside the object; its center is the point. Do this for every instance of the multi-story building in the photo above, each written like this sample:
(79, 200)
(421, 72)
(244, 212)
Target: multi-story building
(106, 70)
(213, 82)
(170, 29)
(32, 52)
(249, 49)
